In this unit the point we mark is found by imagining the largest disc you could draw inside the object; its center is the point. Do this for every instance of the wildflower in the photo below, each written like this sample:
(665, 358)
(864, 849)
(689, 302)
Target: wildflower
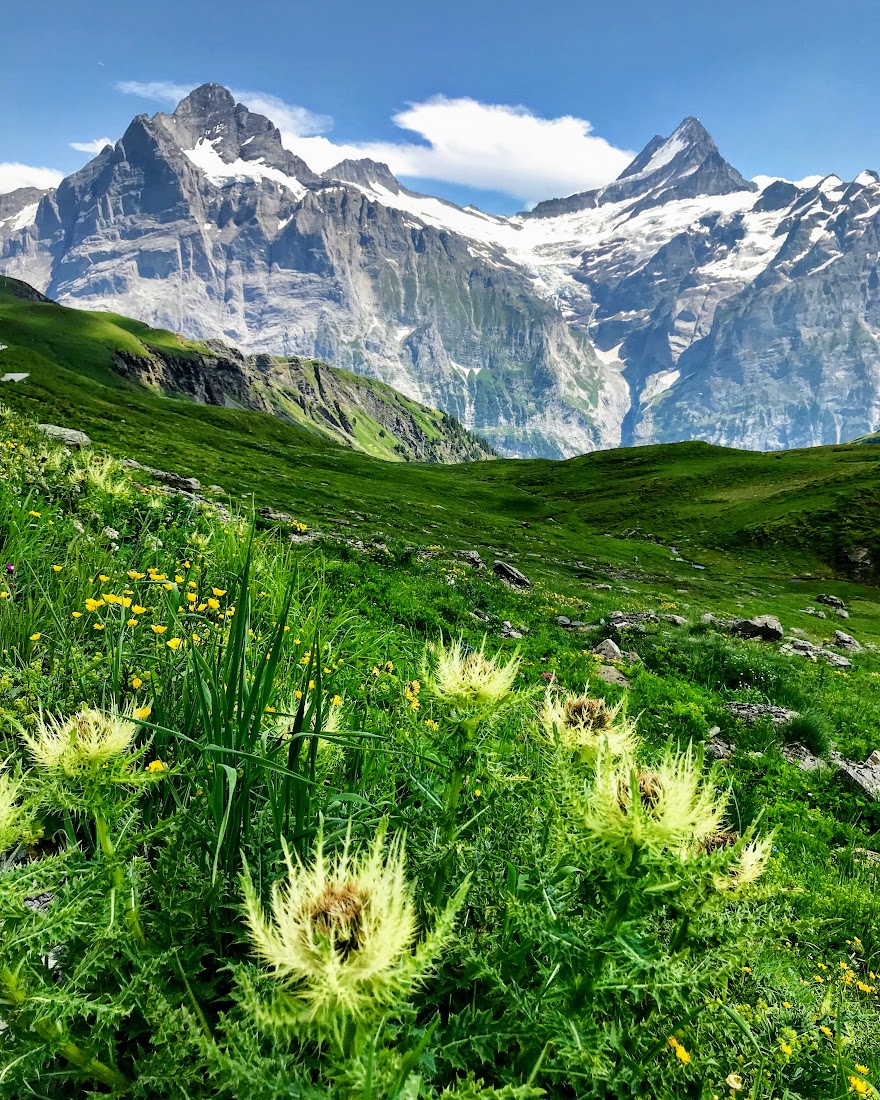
(103, 578)
(218, 592)
(748, 866)
(36, 515)
(142, 712)
(587, 726)
(136, 682)
(468, 680)
(36, 637)
(734, 1081)
(191, 597)
(76, 614)
(86, 741)
(156, 766)
(336, 701)
(174, 643)
(341, 932)
(785, 1048)
(93, 605)
(135, 576)
(97, 626)
(826, 1030)
(158, 629)
(132, 622)
(669, 807)
(682, 1055)
(178, 579)
(57, 568)
(4, 595)
(859, 1087)
(786, 1004)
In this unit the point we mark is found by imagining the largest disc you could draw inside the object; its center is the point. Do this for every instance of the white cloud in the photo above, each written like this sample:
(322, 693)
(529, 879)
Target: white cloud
(164, 91)
(91, 146)
(490, 146)
(486, 145)
(13, 176)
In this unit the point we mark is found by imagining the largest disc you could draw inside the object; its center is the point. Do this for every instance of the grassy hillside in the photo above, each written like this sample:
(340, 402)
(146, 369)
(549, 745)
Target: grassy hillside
(142, 363)
(637, 922)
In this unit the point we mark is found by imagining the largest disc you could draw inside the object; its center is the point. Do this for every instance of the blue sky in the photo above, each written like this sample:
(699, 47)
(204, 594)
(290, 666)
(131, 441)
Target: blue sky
(501, 104)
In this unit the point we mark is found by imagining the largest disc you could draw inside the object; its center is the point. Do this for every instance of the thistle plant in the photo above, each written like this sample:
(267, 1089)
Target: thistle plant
(340, 937)
(81, 745)
(471, 687)
(669, 806)
(587, 726)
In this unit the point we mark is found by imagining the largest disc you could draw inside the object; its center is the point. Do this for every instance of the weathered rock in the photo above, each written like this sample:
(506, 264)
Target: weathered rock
(813, 611)
(175, 481)
(866, 777)
(830, 601)
(563, 620)
(68, 436)
(471, 557)
(767, 628)
(708, 619)
(609, 649)
(750, 713)
(676, 620)
(866, 855)
(841, 612)
(834, 659)
(717, 747)
(509, 631)
(631, 620)
(611, 675)
(846, 641)
(578, 624)
(600, 587)
(803, 758)
(273, 516)
(510, 575)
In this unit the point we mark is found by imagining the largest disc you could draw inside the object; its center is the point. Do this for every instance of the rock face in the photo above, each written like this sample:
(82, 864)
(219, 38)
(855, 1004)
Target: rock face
(68, 436)
(511, 575)
(680, 301)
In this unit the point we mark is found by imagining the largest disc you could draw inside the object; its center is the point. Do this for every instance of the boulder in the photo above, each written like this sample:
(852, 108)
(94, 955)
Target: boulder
(631, 620)
(508, 630)
(846, 641)
(718, 747)
(865, 777)
(510, 575)
(750, 713)
(608, 649)
(801, 756)
(563, 620)
(767, 628)
(608, 674)
(830, 601)
(77, 441)
(841, 612)
(676, 620)
(471, 557)
(834, 659)
(813, 611)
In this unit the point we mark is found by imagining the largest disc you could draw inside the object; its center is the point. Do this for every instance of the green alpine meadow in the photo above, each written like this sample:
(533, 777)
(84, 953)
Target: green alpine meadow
(332, 769)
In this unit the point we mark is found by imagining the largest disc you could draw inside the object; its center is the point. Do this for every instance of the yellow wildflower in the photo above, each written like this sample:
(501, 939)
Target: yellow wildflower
(136, 682)
(142, 712)
(174, 643)
(36, 637)
(155, 766)
(219, 592)
(76, 614)
(158, 629)
(57, 568)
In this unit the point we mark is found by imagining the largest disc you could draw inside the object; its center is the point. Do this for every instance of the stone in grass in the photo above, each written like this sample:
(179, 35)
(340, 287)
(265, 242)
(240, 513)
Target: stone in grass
(841, 613)
(813, 611)
(609, 649)
(766, 628)
(750, 713)
(866, 855)
(801, 756)
(471, 558)
(866, 777)
(563, 620)
(676, 620)
(508, 630)
(830, 601)
(510, 575)
(68, 436)
(846, 641)
(834, 659)
(608, 674)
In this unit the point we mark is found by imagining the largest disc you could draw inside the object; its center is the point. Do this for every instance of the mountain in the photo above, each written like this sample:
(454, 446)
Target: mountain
(39, 337)
(679, 301)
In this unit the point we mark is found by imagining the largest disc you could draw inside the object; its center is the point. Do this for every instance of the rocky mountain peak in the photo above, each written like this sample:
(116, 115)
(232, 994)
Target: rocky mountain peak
(364, 173)
(205, 107)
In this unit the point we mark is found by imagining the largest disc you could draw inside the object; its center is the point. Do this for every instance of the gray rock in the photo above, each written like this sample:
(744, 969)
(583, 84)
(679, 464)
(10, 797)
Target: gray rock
(577, 624)
(273, 516)
(801, 756)
(471, 557)
(563, 620)
(765, 627)
(627, 620)
(846, 641)
(830, 601)
(510, 575)
(77, 441)
(834, 659)
(717, 747)
(841, 613)
(866, 776)
(866, 855)
(750, 713)
(509, 631)
(609, 649)
(676, 620)
(608, 674)
(813, 611)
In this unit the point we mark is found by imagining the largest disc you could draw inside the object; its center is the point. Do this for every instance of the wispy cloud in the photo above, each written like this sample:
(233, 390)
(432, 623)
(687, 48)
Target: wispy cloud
(163, 91)
(13, 176)
(91, 146)
(490, 146)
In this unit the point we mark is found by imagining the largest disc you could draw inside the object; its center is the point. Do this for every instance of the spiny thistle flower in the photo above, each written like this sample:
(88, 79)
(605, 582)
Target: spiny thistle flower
(341, 933)
(10, 811)
(749, 865)
(587, 726)
(466, 679)
(669, 806)
(82, 743)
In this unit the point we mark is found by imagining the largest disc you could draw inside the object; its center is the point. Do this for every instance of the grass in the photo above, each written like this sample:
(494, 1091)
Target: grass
(296, 692)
